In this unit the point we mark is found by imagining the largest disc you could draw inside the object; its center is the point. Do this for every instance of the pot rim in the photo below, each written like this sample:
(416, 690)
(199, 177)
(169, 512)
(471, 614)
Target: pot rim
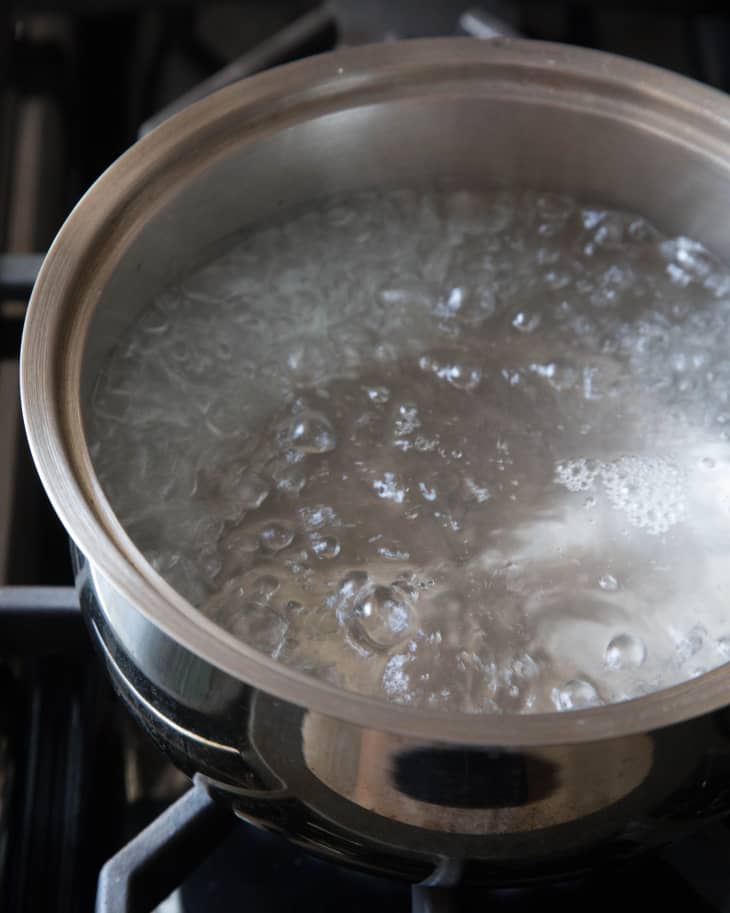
(81, 259)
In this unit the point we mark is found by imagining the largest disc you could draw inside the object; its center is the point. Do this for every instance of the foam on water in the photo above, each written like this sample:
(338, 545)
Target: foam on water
(466, 451)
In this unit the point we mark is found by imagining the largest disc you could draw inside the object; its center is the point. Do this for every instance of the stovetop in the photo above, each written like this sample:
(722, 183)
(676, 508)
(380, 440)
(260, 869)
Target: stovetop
(91, 814)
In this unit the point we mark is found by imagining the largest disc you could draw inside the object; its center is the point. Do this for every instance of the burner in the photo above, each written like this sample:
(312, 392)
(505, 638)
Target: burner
(199, 857)
(59, 759)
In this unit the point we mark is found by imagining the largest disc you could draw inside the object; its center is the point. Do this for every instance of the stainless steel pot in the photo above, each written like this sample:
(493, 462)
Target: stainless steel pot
(406, 791)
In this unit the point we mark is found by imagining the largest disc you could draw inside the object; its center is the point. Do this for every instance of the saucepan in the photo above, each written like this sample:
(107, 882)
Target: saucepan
(405, 791)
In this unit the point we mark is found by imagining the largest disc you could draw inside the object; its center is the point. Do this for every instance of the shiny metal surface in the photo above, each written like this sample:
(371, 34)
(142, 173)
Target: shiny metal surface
(417, 808)
(478, 24)
(372, 783)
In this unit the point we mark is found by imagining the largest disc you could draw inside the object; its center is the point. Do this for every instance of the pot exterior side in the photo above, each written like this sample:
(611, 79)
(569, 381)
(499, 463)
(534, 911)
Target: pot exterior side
(399, 805)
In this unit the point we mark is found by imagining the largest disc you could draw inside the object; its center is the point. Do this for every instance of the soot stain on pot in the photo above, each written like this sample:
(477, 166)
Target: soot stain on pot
(473, 777)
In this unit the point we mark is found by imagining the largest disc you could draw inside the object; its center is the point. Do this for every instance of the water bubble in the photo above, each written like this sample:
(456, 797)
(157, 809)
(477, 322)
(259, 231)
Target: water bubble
(352, 583)
(526, 322)
(325, 546)
(263, 588)
(688, 256)
(691, 644)
(428, 492)
(556, 280)
(455, 299)
(396, 680)
(592, 217)
(576, 694)
(317, 515)
(525, 667)
(249, 491)
(577, 475)
(390, 487)
(154, 321)
(241, 540)
(649, 490)
(608, 582)
(447, 608)
(463, 377)
(210, 563)
(290, 480)
(625, 652)
(554, 211)
(480, 493)
(378, 394)
(425, 445)
(610, 232)
(312, 432)
(180, 351)
(547, 256)
(384, 351)
(261, 626)
(678, 275)
(558, 374)
(382, 617)
(406, 587)
(276, 536)
(403, 296)
(390, 549)
(641, 230)
(407, 420)
(458, 374)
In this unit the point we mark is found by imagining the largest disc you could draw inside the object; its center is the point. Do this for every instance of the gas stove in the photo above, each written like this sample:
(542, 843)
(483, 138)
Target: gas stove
(92, 815)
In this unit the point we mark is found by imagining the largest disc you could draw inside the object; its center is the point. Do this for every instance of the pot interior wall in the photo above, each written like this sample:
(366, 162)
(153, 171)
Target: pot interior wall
(628, 158)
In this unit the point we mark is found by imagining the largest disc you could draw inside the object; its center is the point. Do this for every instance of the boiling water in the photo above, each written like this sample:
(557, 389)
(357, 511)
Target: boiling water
(456, 450)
